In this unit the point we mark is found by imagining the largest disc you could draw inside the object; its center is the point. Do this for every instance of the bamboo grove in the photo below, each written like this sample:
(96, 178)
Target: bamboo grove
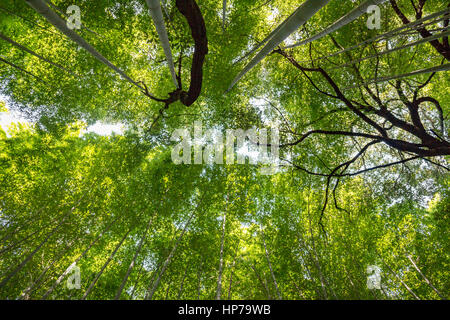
(362, 179)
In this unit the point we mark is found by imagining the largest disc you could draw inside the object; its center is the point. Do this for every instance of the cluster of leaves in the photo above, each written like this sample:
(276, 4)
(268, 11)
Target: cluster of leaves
(139, 226)
(94, 190)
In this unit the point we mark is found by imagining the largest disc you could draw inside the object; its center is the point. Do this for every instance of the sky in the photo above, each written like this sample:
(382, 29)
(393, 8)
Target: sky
(100, 128)
(106, 129)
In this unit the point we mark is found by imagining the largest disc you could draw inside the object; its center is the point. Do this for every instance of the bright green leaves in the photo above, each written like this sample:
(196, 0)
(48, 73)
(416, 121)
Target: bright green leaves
(3, 107)
(113, 184)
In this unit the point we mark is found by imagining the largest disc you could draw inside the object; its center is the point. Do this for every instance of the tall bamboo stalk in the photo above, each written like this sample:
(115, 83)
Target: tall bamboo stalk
(31, 255)
(23, 48)
(270, 266)
(157, 16)
(424, 277)
(444, 67)
(133, 261)
(91, 286)
(67, 270)
(152, 289)
(349, 17)
(41, 7)
(300, 16)
(224, 13)
(382, 53)
(393, 33)
(219, 278)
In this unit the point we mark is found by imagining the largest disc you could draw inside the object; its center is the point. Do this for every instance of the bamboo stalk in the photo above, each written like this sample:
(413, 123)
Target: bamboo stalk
(444, 67)
(301, 15)
(41, 7)
(349, 17)
(156, 14)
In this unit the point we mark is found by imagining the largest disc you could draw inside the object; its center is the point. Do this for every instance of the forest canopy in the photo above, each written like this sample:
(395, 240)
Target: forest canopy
(349, 100)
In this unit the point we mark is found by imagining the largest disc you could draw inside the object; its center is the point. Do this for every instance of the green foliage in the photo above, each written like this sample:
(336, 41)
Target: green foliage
(68, 197)
(3, 107)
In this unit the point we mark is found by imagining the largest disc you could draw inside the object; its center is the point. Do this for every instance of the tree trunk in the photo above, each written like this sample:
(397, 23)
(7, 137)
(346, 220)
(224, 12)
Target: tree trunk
(41, 7)
(323, 281)
(384, 36)
(263, 283)
(65, 15)
(400, 279)
(441, 48)
(382, 53)
(30, 256)
(349, 17)
(16, 244)
(26, 293)
(296, 287)
(270, 267)
(133, 261)
(137, 280)
(182, 282)
(168, 288)
(224, 13)
(157, 16)
(313, 262)
(199, 285)
(219, 278)
(232, 271)
(62, 276)
(152, 289)
(303, 13)
(104, 266)
(23, 48)
(424, 277)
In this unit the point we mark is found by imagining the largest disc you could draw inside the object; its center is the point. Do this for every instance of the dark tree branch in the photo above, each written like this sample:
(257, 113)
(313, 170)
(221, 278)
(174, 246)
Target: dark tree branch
(190, 10)
(345, 166)
(430, 146)
(352, 174)
(446, 23)
(441, 48)
(193, 15)
(423, 85)
(330, 132)
(438, 107)
(339, 95)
